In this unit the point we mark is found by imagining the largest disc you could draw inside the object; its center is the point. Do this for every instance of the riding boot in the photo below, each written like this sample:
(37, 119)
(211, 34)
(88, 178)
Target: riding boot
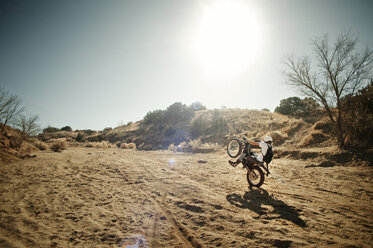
(234, 164)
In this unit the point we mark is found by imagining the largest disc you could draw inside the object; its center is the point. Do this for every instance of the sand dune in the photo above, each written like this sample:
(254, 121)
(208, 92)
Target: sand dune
(86, 197)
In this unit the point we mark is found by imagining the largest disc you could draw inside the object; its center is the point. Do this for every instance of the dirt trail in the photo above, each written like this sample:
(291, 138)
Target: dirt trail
(95, 198)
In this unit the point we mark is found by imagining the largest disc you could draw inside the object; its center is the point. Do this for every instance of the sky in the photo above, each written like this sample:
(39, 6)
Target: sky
(92, 64)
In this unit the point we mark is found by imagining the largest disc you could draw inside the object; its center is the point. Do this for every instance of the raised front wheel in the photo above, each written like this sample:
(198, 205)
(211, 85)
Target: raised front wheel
(234, 147)
(255, 177)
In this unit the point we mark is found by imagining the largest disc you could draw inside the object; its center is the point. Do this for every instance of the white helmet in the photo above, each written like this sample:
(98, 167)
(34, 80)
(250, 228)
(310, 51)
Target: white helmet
(267, 139)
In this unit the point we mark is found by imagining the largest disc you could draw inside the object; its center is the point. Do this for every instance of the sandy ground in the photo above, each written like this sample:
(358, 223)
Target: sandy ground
(85, 197)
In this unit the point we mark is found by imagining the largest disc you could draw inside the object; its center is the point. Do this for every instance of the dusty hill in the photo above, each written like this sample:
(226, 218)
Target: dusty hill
(213, 126)
(309, 137)
(13, 147)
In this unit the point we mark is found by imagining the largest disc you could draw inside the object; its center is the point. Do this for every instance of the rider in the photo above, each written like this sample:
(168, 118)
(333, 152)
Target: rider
(264, 144)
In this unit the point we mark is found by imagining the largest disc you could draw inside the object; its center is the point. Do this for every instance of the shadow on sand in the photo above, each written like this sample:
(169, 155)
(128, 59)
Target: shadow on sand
(256, 198)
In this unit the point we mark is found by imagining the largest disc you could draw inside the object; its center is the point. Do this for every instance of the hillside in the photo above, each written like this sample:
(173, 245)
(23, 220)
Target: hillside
(310, 137)
(212, 126)
(14, 148)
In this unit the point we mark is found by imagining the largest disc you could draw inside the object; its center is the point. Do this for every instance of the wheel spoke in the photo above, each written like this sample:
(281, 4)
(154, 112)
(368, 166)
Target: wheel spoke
(234, 148)
(255, 177)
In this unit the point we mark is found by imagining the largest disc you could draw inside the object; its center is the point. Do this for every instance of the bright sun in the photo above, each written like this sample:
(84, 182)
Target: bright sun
(227, 38)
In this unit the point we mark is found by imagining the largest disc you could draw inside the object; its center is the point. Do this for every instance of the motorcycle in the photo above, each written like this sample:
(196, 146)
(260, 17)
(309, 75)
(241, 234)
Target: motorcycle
(255, 174)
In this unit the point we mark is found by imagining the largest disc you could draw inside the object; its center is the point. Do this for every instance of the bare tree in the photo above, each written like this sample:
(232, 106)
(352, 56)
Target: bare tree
(10, 108)
(28, 125)
(338, 71)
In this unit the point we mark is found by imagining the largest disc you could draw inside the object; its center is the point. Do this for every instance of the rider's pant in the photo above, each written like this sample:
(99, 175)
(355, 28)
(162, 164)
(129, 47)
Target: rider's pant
(249, 159)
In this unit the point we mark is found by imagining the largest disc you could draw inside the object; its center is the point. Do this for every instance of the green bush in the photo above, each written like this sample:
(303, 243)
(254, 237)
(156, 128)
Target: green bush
(106, 129)
(88, 131)
(155, 116)
(66, 128)
(358, 117)
(178, 112)
(197, 106)
(296, 106)
(79, 137)
(58, 146)
(175, 113)
(50, 130)
(170, 131)
(197, 128)
(95, 138)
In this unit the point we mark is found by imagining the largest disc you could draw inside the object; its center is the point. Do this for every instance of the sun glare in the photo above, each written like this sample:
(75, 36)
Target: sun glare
(227, 38)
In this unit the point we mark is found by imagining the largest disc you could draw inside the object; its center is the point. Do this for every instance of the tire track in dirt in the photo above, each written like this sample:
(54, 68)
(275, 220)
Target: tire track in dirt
(181, 232)
(191, 187)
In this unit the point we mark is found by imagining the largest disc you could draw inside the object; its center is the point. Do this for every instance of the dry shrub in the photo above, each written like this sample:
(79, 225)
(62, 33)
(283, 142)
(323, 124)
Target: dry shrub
(278, 138)
(102, 144)
(315, 137)
(41, 145)
(15, 141)
(128, 146)
(206, 147)
(184, 147)
(123, 146)
(292, 128)
(325, 125)
(131, 146)
(58, 145)
(172, 147)
(145, 147)
(75, 144)
(195, 146)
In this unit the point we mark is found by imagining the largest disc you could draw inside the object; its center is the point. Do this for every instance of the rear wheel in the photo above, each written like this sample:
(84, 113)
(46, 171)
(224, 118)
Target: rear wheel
(234, 147)
(255, 176)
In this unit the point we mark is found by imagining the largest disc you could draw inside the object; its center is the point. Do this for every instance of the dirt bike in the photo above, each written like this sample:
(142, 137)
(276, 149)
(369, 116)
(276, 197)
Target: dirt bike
(255, 174)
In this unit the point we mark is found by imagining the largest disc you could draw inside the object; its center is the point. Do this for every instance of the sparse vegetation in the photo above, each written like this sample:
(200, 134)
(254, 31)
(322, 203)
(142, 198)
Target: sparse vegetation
(195, 146)
(197, 106)
(358, 117)
(174, 113)
(95, 138)
(339, 72)
(107, 129)
(50, 129)
(10, 109)
(155, 116)
(296, 107)
(172, 147)
(66, 128)
(88, 131)
(102, 144)
(79, 137)
(58, 145)
(40, 145)
(127, 146)
(28, 126)
(16, 140)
